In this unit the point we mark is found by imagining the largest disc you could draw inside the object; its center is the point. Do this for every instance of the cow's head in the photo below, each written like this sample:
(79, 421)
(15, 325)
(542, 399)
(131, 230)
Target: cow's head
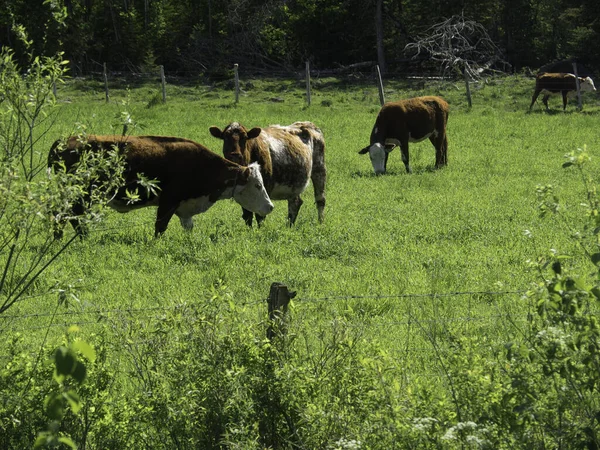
(587, 84)
(235, 137)
(379, 157)
(249, 191)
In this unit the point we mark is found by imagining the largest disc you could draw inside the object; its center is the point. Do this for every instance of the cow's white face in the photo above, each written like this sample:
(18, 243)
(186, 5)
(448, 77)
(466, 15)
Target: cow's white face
(378, 156)
(587, 84)
(252, 195)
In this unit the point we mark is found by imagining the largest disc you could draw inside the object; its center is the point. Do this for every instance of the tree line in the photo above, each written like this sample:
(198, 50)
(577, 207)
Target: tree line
(206, 37)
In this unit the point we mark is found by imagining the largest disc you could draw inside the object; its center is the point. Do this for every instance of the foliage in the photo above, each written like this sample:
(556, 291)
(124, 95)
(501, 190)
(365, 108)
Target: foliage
(207, 36)
(34, 202)
(67, 367)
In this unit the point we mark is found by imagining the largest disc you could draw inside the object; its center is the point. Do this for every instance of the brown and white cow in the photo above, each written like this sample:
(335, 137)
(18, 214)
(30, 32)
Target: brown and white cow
(404, 121)
(559, 83)
(289, 157)
(190, 177)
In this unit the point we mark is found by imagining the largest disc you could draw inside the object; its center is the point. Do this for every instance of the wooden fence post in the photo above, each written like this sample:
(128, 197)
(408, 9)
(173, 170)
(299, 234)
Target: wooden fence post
(278, 300)
(467, 86)
(163, 83)
(237, 83)
(106, 84)
(380, 86)
(308, 83)
(579, 102)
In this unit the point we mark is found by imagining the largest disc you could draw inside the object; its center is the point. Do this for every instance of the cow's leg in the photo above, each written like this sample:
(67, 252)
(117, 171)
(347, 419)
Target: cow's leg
(440, 142)
(534, 97)
(247, 216)
(78, 211)
(165, 211)
(294, 205)
(259, 219)
(404, 150)
(545, 100)
(564, 96)
(319, 179)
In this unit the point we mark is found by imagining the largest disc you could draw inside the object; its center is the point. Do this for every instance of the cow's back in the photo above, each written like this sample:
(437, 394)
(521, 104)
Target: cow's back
(555, 82)
(415, 116)
(291, 161)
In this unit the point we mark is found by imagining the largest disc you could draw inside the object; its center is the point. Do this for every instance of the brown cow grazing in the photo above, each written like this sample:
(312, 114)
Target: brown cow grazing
(559, 83)
(289, 156)
(404, 121)
(190, 177)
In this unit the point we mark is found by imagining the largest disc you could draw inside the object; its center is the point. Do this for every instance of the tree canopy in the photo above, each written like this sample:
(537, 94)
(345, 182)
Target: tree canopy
(195, 37)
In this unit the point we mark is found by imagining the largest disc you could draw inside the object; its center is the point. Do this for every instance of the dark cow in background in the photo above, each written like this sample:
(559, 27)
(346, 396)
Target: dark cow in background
(559, 83)
(289, 156)
(190, 177)
(404, 121)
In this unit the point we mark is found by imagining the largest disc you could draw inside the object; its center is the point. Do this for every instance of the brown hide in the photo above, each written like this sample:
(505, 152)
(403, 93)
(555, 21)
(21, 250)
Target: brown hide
(182, 168)
(413, 120)
(555, 83)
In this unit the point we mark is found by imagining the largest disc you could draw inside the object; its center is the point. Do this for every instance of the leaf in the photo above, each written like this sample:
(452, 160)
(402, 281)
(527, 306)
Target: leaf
(64, 361)
(79, 372)
(55, 407)
(85, 349)
(67, 441)
(74, 401)
(42, 440)
(567, 164)
(595, 258)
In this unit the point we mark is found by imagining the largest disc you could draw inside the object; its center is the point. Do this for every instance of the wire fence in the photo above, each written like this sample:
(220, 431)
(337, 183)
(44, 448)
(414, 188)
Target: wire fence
(410, 326)
(10, 322)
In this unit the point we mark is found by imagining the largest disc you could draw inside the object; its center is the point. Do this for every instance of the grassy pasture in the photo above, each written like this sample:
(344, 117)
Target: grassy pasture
(412, 240)
(457, 229)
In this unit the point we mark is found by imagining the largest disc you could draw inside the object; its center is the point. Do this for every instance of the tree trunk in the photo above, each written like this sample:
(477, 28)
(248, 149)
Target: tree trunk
(379, 33)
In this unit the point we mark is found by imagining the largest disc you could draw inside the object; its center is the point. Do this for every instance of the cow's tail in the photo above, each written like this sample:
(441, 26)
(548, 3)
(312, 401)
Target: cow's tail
(319, 171)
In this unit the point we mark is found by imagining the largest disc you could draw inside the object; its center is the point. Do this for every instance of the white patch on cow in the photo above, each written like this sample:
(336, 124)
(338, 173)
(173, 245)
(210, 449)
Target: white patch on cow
(284, 160)
(187, 223)
(390, 143)
(377, 154)
(276, 146)
(284, 192)
(253, 195)
(189, 208)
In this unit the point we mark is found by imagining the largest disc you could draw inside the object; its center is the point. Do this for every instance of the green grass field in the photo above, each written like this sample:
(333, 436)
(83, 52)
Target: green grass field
(403, 261)
(457, 229)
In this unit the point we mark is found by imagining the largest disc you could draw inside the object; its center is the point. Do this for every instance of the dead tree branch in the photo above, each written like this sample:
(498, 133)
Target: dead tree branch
(460, 46)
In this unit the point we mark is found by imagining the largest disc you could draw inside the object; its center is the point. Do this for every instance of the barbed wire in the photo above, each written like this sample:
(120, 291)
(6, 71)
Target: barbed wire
(430, 295)
(298, 301)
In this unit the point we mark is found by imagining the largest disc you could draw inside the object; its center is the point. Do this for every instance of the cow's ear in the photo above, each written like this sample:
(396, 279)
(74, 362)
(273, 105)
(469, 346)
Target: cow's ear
(364, 150)
(243, 177)
(216, 132)
(253, 133)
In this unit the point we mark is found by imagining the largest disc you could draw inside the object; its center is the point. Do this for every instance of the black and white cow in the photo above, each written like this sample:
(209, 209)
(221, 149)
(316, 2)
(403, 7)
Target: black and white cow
(190, 177)
(289, 157)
